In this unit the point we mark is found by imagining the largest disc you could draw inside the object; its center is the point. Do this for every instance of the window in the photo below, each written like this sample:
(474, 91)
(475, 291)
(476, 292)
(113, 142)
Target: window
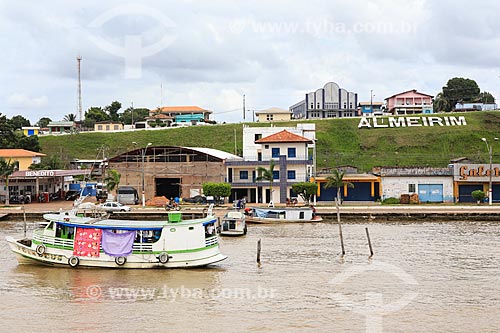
(411, 188)
(276, 174)
(243, 174)
(266, 146)
(99, 127)
(291, 174)
(258, 137)
(292, 152)
(269, 117)
(275, 152)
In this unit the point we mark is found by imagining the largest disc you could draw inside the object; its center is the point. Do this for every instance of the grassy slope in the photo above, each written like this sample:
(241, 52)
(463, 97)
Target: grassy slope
(340, 142)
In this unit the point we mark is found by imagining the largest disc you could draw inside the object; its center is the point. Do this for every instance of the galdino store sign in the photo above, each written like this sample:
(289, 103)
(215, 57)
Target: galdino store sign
(378, 122)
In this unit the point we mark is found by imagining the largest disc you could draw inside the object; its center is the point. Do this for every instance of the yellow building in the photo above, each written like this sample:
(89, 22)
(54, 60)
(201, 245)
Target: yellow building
(23, 157)
(106, 126)
(273, 114)
(29, 131)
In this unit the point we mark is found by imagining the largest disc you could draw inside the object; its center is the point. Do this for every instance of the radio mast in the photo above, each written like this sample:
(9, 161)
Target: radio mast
(79, 59)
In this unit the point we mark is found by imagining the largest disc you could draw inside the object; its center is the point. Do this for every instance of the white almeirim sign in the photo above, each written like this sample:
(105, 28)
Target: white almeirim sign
(377, 122)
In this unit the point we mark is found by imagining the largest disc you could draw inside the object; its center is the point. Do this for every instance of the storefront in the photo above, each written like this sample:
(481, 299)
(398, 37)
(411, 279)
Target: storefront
(471, 177)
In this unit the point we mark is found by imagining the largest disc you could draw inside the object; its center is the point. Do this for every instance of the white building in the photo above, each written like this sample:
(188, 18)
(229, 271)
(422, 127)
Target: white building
(291, 149)
(431, 184)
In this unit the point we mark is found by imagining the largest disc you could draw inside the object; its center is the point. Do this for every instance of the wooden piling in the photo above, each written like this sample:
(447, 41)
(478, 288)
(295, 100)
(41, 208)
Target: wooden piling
(337, 204)
(258, 250)
(369, 241)
(24, 219)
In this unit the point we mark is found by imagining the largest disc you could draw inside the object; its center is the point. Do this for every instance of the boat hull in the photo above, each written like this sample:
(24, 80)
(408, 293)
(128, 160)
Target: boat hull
(273, 220)
(61, 257)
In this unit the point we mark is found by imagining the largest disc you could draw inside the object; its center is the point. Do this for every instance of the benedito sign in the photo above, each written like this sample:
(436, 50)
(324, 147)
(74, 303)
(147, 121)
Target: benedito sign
(377, 122)
(40, 173)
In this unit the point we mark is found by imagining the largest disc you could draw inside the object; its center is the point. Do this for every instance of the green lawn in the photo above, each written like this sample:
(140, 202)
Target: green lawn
(340, 142)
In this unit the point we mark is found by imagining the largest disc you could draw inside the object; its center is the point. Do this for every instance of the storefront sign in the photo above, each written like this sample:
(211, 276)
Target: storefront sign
(40, 173)
(379, 122)
(475, 172)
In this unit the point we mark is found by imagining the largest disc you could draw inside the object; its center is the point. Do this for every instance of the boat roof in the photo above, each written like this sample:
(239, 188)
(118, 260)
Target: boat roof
(99, 223)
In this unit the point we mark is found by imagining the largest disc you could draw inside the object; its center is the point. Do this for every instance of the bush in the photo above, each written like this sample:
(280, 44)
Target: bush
(390, 201)
(478, 195)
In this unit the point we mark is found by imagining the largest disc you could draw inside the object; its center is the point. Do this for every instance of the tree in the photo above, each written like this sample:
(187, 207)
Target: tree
(267, 175)
(43, 122)
(113, 180)
(217, 190)
(441, 104)
(93, 115)
(70, 117)
(7, 168)
(131, 115)
(486, 98)
(305, 190)
(112, 110)
(18, 122)
(337, 180)
(28, 142)
(460, 90)
(8, 137)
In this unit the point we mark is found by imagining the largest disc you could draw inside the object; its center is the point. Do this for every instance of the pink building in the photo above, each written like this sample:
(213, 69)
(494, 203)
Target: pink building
(409, 102)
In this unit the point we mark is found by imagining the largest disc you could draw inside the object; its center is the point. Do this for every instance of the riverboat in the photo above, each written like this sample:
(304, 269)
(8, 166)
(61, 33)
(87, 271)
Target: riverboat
(282, 215)
(73, 240)
(233, 224)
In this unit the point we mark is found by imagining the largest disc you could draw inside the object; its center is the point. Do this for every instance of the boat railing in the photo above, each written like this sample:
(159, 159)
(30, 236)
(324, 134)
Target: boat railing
(142, 247)
(211, 241)
(38, 236)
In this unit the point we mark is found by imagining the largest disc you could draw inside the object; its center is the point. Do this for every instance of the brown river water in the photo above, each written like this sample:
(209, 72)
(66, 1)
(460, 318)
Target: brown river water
(424, 277)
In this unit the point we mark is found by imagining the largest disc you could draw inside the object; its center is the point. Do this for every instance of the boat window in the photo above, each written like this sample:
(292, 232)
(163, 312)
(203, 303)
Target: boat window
(50, 226)
(191, 228)
(172, 229)
(301, 215)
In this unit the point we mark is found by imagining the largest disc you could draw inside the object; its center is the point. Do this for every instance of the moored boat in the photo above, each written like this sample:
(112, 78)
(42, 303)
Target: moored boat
(233, 224)
(283, 215)
(78, 241)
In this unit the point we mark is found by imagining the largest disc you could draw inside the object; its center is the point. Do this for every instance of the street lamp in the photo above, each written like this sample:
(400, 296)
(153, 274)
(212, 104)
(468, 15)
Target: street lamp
(143, 154)
(490, 153)
(371, 101)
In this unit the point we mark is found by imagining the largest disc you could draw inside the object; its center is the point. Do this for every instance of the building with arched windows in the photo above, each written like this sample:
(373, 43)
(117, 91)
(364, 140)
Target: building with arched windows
(331, 101)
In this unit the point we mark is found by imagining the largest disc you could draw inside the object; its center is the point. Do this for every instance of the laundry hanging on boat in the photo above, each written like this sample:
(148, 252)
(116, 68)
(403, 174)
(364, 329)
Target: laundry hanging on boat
(117, 245)
(87, 242)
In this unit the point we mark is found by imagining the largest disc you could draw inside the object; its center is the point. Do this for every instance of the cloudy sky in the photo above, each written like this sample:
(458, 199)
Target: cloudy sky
(210, 53)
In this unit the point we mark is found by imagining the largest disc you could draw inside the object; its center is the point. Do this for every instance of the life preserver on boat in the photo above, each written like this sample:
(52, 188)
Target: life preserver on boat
(73, 261)
(163, 257)
(120, 260)
(41, 249)
(66, 219)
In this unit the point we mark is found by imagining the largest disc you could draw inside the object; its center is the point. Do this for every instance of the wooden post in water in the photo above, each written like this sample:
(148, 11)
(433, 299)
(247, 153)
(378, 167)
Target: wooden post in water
(258, 250)
(369, 242)
(24, 218)
(337, 199)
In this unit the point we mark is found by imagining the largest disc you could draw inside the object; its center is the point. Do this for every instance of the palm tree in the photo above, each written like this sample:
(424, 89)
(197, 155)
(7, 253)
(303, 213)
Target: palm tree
(70, 117)
(337, 180)
(267, 175)
(7, 168)
(113, 180)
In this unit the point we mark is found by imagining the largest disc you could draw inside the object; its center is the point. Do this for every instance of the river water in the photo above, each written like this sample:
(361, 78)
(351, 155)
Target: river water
(429, 277)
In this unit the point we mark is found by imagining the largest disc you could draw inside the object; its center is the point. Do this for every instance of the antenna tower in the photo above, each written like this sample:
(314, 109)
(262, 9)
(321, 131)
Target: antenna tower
(79, 59)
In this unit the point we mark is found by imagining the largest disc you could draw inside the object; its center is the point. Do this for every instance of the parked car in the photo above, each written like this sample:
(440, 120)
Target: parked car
(199, 199)
(113, 206)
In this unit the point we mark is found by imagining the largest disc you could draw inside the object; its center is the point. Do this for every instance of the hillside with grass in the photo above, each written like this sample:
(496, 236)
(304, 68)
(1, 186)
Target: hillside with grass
(339, 142)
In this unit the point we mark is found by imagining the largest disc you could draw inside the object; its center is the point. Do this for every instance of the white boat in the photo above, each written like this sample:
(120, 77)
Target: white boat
(282, 215)
(76, 241)
(233, 224)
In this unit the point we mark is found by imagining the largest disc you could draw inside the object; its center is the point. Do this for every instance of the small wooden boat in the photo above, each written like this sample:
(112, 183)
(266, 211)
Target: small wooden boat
(233, 224)
(283, 215)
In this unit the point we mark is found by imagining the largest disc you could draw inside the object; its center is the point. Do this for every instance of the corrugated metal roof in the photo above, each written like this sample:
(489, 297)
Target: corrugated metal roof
(217, 153)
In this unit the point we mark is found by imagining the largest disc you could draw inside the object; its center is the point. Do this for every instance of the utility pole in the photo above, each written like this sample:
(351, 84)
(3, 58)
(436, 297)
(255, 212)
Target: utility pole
(132, 113)
(244, 107)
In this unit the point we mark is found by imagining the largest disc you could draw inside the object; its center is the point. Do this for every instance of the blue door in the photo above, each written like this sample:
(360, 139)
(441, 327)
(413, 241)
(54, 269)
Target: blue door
(327, 194)
(360, 192)
(430, 192)
(464, 192)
